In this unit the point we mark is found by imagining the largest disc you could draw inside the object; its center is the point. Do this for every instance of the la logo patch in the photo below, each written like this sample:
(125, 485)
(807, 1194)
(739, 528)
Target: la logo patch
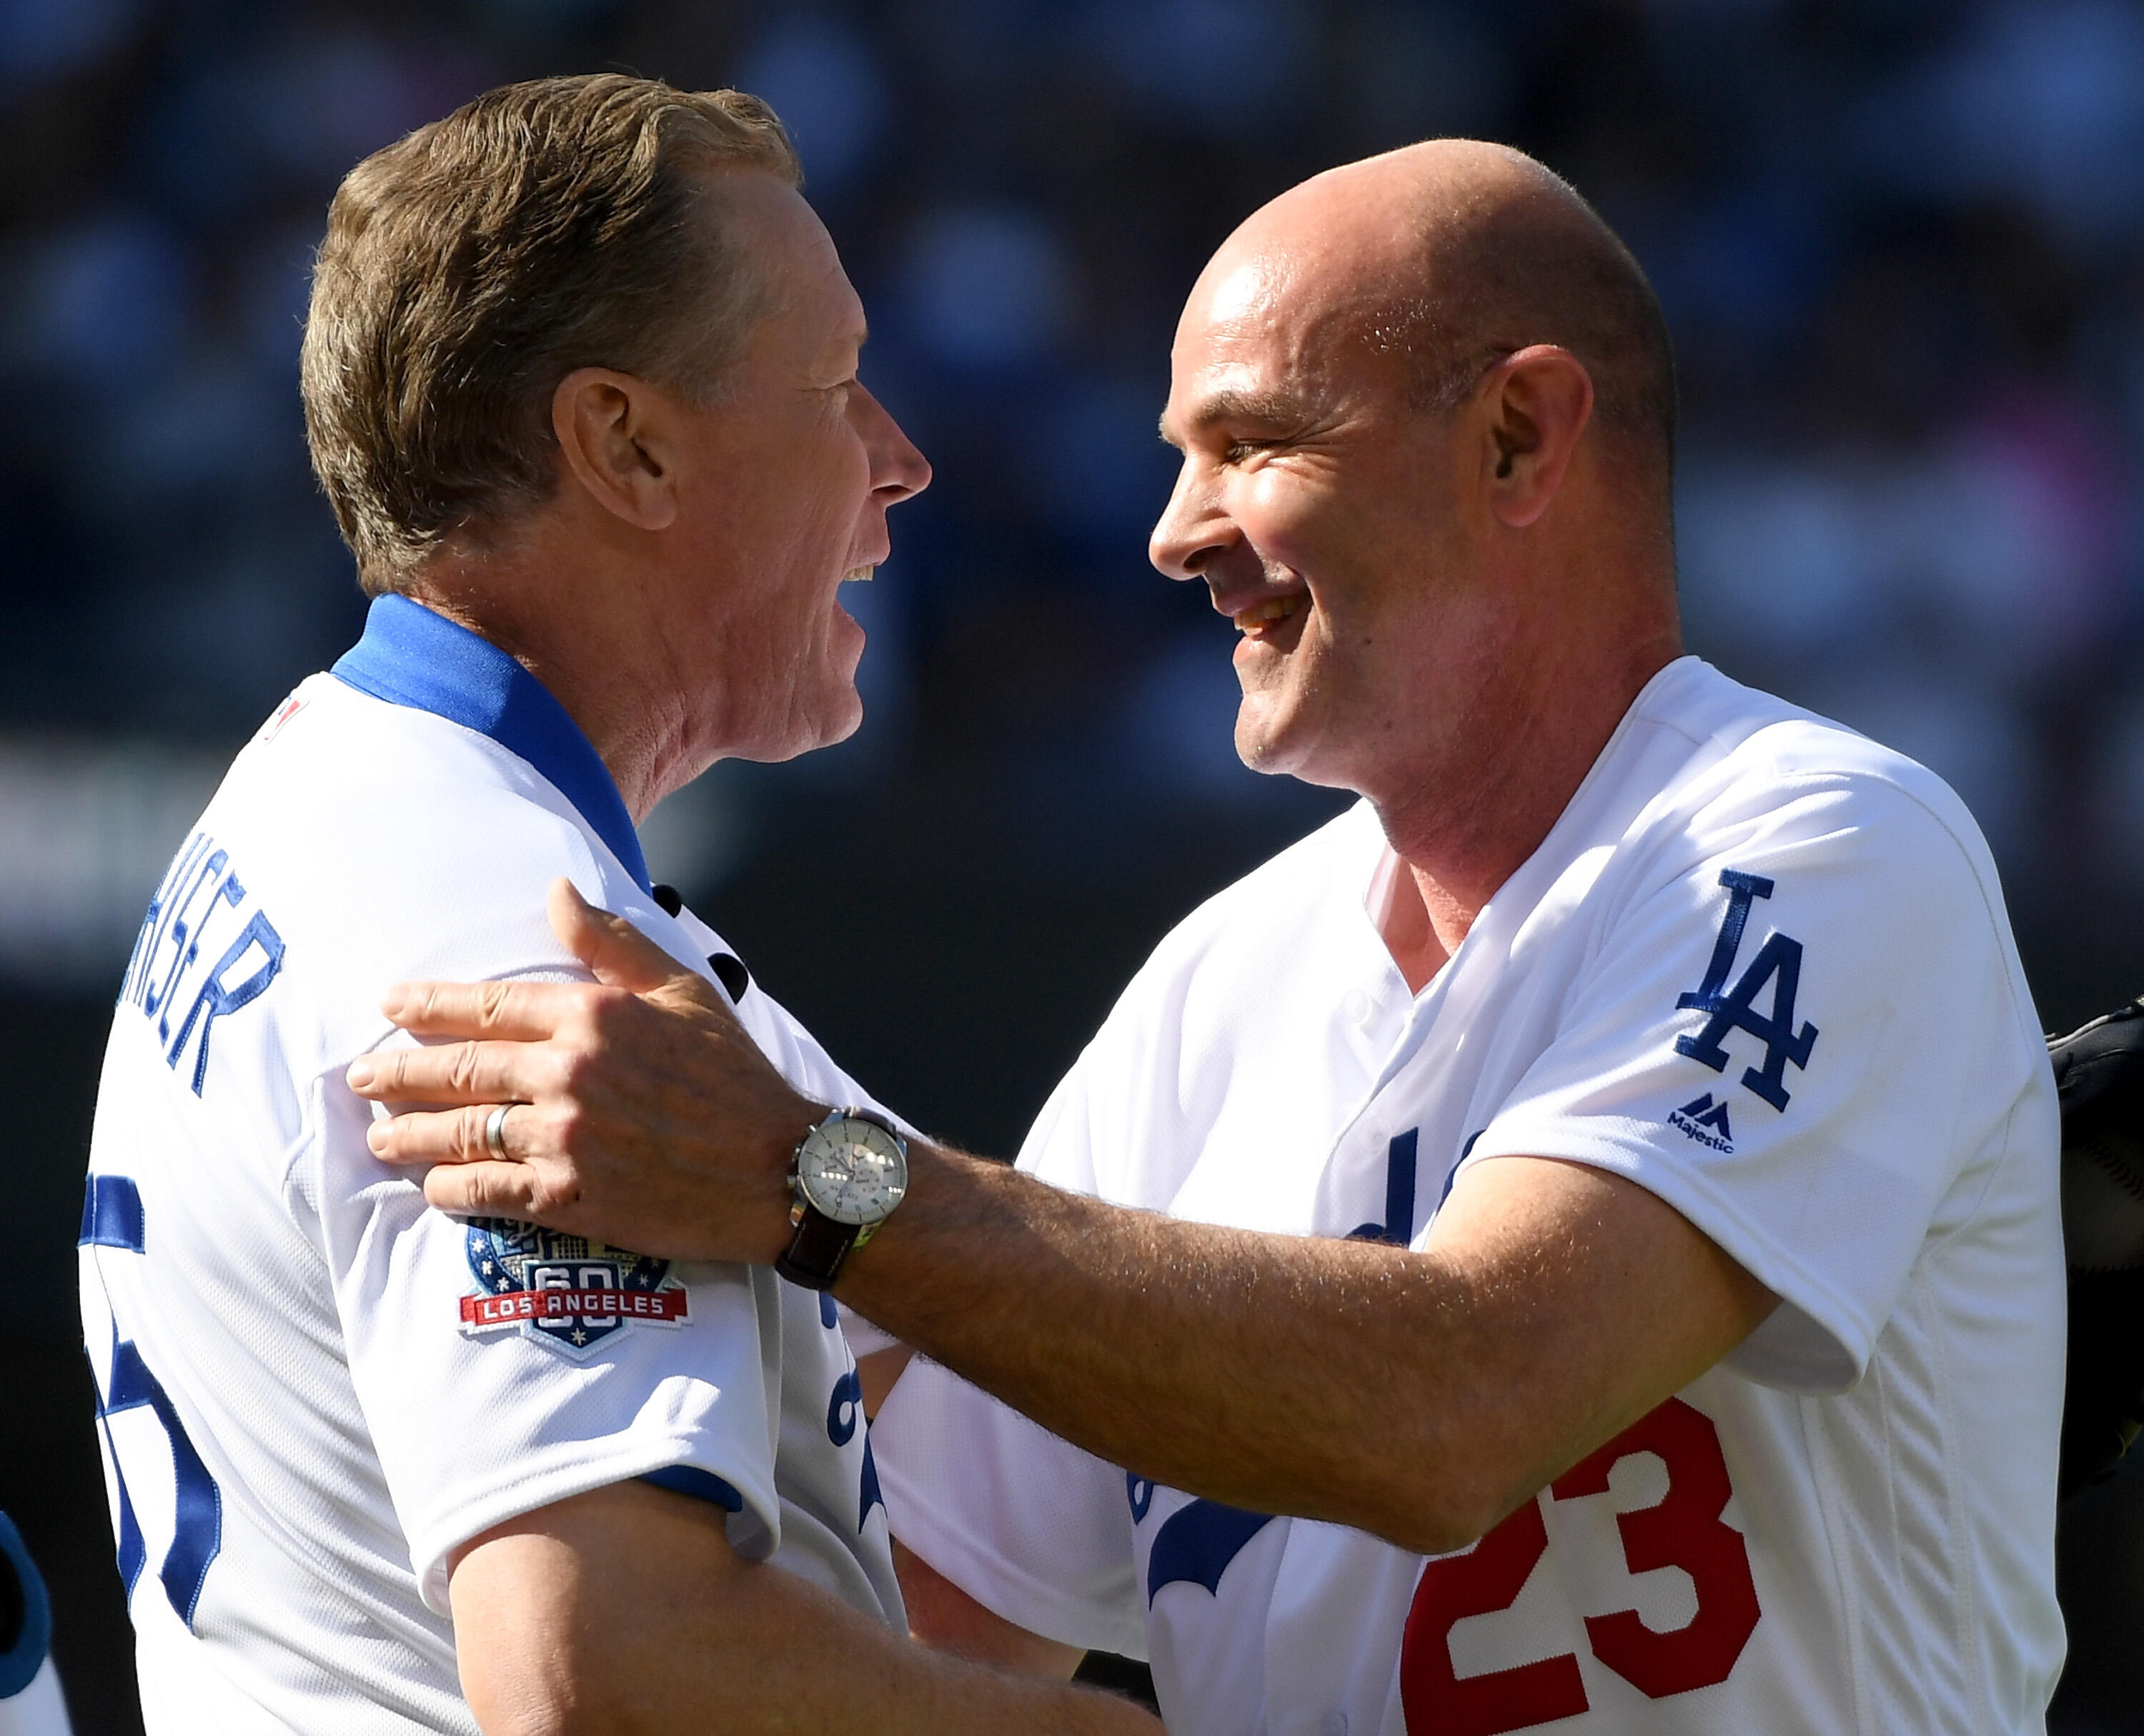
(569, 1291)
(1778, 963)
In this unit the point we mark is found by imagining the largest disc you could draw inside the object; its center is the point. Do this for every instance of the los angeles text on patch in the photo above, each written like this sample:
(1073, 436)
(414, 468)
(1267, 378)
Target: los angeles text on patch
(570, 1292)
(483, 1311)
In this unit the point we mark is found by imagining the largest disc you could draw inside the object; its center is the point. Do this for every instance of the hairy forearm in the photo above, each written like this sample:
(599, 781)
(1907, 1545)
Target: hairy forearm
(622, 1611)
(1241, 1368)
(1415, 1394)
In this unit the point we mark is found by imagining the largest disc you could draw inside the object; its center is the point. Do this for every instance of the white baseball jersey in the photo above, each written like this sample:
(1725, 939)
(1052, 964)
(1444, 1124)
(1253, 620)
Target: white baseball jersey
(1761, 967)
(311, 1388)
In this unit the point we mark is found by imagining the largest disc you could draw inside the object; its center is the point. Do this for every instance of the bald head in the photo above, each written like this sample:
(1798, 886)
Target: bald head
(1437, 260)
(1427, 410)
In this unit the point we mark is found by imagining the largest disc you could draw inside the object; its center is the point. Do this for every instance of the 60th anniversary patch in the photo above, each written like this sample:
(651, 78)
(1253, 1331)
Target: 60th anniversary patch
(566, 1290)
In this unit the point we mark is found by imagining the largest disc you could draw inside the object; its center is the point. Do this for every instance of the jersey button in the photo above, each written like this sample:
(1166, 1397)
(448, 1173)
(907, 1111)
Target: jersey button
(1357, 1007)
(1334, 1724)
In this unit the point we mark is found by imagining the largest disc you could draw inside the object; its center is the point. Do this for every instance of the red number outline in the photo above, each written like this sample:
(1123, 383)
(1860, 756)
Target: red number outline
(1682, 1529)
(1438, 1702)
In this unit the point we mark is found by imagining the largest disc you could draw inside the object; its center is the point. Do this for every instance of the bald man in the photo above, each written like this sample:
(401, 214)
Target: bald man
(1599, 1194)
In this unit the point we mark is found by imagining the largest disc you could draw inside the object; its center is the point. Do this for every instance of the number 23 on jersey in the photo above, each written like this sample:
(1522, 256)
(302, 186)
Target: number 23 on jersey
(1684, 1529)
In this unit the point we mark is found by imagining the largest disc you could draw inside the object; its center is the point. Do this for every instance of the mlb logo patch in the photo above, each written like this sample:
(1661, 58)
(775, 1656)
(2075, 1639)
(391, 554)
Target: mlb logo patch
(284, 712)
(566, 1290)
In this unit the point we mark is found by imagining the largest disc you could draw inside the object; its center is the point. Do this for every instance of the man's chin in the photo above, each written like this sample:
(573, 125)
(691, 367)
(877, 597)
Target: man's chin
(1263, 742)
(1283, 745)
(823, 725)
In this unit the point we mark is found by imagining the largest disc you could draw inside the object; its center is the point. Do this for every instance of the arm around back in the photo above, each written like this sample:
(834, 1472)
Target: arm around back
(625, 1610)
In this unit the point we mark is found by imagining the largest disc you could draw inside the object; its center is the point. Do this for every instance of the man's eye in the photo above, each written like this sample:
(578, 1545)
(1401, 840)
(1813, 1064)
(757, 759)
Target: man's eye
(1237, 451)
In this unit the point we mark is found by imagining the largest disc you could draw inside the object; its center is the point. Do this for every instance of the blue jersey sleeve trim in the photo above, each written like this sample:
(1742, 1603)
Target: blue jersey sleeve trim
(410, 656)
(703, 1485)
(112, 1214)
(25, 1655)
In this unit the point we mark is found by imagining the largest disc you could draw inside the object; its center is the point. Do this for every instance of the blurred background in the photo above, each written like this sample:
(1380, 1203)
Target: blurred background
(1901, 243)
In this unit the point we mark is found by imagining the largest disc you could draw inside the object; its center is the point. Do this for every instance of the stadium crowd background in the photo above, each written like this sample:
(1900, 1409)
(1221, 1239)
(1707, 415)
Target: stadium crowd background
(1901, 244)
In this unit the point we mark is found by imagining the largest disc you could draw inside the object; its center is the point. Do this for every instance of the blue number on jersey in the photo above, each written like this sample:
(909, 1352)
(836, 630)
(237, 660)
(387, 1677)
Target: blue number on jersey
(112, 1217)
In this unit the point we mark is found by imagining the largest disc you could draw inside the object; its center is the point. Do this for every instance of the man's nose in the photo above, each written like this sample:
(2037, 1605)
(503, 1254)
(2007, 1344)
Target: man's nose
(898, 468)
(1191, 530)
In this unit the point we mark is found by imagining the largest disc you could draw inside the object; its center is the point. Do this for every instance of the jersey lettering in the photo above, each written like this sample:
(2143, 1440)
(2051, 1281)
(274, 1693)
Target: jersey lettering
(845, 1409)
(868, 1493)
(1398, 1226)
(134, 987)
(200, 878)
(1779, 961)
(1684, 1529)
(218, 996)
(112, 1217)
(1197, 1542)
(844, 1415)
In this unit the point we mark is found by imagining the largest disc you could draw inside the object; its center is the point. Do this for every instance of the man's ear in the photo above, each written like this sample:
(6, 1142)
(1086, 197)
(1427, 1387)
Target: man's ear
(1540, 400)
(615, 433)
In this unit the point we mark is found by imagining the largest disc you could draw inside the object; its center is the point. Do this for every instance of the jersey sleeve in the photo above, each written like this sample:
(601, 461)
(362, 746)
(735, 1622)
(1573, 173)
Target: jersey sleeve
(1804, 1035)
(485, 1402)
(1029, 1526)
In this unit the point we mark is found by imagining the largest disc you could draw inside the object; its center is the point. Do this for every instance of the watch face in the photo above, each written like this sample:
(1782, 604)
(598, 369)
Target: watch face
(851, 1169)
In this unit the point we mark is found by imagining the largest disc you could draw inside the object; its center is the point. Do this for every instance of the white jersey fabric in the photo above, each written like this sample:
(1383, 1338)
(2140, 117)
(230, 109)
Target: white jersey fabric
(312, 1389)
(1761, 967)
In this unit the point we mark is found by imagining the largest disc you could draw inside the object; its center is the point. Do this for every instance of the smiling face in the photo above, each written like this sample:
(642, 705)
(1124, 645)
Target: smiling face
(1327, 513)
(791, 472)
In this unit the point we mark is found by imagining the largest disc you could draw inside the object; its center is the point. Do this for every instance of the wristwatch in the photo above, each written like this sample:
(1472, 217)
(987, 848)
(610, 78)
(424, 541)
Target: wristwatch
(848, 1174)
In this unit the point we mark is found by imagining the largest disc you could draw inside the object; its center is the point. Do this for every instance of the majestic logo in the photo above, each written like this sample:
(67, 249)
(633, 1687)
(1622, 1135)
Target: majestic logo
(566, 1290)
(1779, 961)
(1705, 1122)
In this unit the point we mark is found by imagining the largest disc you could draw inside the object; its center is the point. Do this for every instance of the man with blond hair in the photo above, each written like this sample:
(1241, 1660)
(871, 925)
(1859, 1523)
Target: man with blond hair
(1571, 1244)
(580, 381)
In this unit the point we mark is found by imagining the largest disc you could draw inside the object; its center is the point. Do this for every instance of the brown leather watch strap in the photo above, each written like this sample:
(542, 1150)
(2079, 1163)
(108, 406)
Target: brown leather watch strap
(815, 1252)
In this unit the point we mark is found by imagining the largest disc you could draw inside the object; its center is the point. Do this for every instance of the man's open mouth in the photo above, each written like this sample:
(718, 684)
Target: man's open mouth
(1258, 618)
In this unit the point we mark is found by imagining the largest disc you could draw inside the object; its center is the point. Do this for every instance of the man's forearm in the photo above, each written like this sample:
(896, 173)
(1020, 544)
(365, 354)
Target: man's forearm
(623, 1610)
(1419, 1396)
(1235, 1365)
(1415, 1394)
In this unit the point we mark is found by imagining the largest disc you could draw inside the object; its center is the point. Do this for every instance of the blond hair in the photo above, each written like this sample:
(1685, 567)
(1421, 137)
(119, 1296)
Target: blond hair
(469, 267)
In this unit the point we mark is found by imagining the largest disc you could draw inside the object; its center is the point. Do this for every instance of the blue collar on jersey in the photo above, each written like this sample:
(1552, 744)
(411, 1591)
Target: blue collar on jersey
(410, 656)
